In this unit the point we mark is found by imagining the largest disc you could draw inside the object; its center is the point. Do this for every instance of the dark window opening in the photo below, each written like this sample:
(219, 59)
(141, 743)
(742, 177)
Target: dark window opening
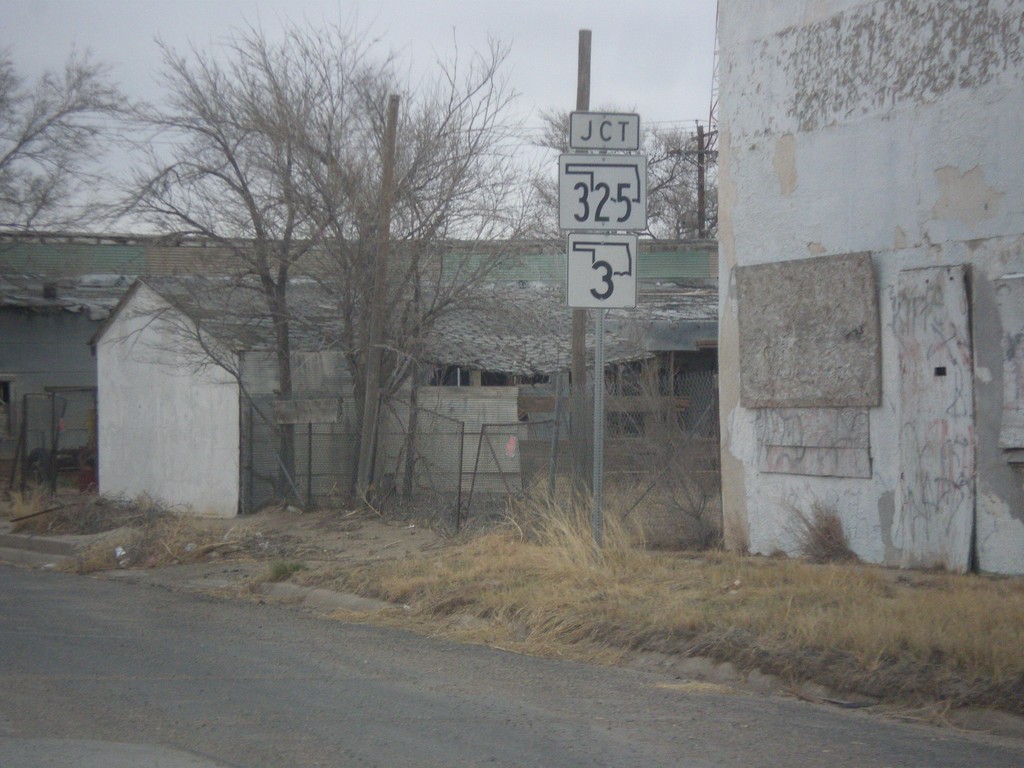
(6, 415)
(490, 379)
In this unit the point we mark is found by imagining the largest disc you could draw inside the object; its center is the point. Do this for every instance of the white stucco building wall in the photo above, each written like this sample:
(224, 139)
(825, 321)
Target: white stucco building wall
(891, 129)
(168, 428)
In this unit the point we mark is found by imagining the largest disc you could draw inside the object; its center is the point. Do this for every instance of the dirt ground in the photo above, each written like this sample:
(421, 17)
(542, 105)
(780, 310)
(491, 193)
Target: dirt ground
(243, 546)
(337, 536)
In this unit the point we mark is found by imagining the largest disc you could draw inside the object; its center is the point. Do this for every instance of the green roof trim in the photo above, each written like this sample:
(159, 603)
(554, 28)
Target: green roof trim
(550, 267)
(72, 258)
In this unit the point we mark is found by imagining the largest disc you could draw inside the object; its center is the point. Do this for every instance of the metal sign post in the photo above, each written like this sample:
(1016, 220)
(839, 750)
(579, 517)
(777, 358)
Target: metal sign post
(599, 196)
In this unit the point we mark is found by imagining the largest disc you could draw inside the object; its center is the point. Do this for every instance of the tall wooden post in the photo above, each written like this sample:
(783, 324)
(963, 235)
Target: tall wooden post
(582, 448)
(702, 211)
(375, 332)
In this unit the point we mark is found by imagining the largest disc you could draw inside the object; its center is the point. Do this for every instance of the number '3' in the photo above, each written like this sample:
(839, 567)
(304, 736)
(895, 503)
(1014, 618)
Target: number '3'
(606, 278)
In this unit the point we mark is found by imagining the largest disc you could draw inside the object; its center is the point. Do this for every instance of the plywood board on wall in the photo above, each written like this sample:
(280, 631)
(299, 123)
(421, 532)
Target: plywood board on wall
(1010, 300)
(809, 333)
(935, 516)
(826, 442)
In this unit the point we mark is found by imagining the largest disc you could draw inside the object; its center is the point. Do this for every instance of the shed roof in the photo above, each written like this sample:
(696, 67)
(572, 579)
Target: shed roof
(504, 328)
(93, 295)
(527, 330)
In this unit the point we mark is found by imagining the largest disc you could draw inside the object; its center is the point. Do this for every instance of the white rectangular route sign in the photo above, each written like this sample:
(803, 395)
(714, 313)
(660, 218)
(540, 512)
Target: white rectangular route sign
(601, 271)
(602, 192)
(608, 131)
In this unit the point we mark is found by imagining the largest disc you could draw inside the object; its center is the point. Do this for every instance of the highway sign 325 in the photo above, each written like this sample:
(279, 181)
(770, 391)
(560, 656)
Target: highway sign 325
(602, 192)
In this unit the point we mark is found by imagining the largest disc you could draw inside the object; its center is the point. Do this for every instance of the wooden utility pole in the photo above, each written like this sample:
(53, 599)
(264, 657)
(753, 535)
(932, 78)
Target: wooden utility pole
(582, 449)
(702, 213)
(375, 331)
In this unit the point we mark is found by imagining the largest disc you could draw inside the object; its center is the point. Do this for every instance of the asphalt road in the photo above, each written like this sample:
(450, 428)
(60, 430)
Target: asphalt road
(97, 672)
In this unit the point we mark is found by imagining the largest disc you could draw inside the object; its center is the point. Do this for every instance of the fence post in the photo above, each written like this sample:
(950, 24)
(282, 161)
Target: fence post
(54, 444)
(309, 466)
(458, 478)
(553, 459)
(252, 460)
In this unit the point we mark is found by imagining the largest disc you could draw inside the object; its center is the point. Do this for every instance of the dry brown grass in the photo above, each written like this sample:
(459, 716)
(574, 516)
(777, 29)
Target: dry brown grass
(544, 588)
(820, 536)
(128, 532)
(158, 540)
(539, 585)
(17, 505)
(75, 513)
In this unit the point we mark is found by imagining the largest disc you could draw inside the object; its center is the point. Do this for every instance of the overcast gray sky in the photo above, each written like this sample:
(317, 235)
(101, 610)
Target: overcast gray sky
(652, 56)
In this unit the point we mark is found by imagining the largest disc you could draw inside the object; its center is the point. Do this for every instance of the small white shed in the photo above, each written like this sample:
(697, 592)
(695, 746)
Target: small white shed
(168, 426)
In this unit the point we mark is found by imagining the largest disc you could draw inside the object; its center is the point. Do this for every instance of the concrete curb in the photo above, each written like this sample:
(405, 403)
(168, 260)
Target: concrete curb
(49, 551)
(29, 558)
(322, 599)
(35, 551)
(52, 545)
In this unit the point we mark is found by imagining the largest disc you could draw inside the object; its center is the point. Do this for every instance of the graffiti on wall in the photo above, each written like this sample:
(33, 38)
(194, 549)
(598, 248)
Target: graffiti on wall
(937, 463)
(826, 442)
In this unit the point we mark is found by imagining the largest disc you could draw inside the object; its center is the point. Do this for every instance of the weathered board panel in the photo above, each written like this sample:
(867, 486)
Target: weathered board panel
(826, 442)
(312, 411)
(809, 333)
(461, 432)
(936, 515)
(1010, 300)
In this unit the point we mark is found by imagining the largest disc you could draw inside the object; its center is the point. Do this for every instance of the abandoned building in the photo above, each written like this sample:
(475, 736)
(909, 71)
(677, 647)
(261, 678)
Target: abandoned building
(498, 358)
(48, 376)
(872, 278)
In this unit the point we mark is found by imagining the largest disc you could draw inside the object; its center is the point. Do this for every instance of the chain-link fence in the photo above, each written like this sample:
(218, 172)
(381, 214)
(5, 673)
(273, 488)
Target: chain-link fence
(666, 461)
(457, 454)
(56, 440)
(318, 473)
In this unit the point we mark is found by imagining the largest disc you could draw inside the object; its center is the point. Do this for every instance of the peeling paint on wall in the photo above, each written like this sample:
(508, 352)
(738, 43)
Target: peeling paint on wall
(785, 164)
(898, 51)
(899, 240)
(905, 125)
(965, 196)
(998, 532)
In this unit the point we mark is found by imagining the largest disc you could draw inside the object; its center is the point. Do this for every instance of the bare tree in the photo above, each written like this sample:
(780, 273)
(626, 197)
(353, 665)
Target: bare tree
(672, 158)
(275, 153)
(455, 178)
(230, 176)
(50, 136)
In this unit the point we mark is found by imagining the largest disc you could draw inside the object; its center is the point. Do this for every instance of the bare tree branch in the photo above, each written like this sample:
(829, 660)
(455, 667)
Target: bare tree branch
(274, 150)
(672, 158)
(51, 134)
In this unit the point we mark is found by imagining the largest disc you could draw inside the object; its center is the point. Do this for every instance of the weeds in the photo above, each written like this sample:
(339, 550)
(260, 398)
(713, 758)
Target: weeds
(537, 584)
(820, 536)
(79, 514)
(282, 570)
(540, 586)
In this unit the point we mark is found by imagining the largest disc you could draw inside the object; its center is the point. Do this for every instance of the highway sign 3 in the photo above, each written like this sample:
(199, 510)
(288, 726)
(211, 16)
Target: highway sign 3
(601, 270)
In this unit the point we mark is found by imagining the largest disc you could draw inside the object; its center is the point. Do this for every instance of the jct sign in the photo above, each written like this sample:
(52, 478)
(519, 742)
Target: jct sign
(606, 131)
(602, 192)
